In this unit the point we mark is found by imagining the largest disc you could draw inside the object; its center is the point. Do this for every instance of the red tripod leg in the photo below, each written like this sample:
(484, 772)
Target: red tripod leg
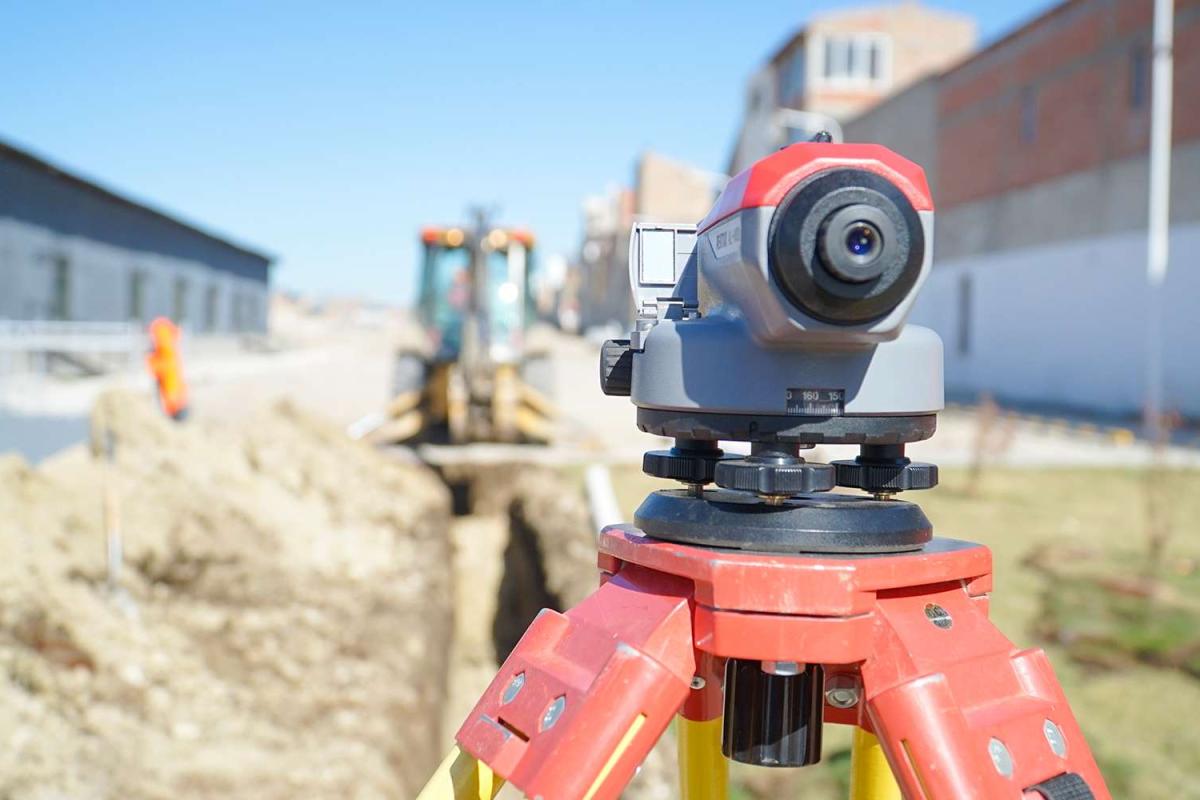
(585, 695)
(961, 712)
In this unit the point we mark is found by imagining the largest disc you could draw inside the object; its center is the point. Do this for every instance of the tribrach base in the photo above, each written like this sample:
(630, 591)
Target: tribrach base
(958, 710)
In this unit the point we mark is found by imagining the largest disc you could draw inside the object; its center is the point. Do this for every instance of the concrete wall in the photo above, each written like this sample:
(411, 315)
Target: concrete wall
(1109, 198)
(666, 190)
(100, 283)
(907, 123)
(1065, 324)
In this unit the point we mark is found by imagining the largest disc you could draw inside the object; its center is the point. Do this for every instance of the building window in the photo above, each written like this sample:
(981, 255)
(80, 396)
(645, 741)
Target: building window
(210, 308)
(1139, 77)
(137, 295)
(1028, 114)
(791, 83)
(180, 302)
(964, 315)
(859, 60)
(60, 287)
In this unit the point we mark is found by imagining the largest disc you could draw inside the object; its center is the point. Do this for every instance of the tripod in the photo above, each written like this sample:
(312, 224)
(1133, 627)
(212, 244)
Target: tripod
(753, 651)
(760, 610)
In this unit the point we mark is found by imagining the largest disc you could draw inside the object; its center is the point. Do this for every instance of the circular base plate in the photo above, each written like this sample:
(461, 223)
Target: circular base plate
(814, 523)
(801, 430)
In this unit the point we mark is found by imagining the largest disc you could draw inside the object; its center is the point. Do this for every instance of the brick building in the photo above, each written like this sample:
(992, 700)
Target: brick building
(842, 63)
(1037, 150)
(664, 190)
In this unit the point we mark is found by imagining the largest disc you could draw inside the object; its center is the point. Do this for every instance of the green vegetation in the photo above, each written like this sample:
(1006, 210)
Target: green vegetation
(1053, 532)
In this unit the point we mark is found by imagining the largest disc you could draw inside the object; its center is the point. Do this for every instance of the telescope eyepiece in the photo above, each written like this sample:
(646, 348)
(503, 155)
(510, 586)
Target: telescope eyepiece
(846, 246)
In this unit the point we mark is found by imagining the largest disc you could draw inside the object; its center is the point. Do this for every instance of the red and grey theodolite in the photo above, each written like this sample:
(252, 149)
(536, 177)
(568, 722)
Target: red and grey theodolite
(758, 610)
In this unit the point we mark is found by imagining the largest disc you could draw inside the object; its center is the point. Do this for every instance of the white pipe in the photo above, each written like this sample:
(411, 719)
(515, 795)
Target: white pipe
(602, 500)
(1158, 228)
(786, 119)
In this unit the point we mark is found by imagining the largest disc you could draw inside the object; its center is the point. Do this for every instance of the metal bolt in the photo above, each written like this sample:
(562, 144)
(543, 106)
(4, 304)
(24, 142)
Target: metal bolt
(841, 691)
(939, 616)
(698, 682)
(1055, 738)
(1001, 758)
(553, 712)
(514, 688)
(782, 667)
(842, 698)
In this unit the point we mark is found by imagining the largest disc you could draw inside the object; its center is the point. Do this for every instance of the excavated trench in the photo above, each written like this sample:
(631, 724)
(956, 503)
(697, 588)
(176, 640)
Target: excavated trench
(522, 541)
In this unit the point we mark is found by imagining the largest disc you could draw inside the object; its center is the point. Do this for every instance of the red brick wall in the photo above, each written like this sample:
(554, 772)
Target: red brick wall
(1077, 61)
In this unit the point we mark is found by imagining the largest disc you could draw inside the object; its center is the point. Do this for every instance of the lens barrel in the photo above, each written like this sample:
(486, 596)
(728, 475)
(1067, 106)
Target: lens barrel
(846, 246)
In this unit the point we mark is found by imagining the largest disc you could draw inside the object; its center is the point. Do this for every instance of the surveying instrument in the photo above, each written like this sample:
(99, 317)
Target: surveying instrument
(758, 610)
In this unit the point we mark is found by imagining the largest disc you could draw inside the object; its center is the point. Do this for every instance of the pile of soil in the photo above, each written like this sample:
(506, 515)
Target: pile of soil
(280, 628)
(529, 544)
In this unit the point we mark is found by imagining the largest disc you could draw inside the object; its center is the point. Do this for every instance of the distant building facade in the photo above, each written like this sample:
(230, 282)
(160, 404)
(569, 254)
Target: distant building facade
(1037, 152)
(601, 297)
(664, 190)
(73, 251)
(840, 64)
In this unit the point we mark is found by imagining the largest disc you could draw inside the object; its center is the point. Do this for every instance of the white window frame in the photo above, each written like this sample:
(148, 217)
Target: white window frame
(861, 43)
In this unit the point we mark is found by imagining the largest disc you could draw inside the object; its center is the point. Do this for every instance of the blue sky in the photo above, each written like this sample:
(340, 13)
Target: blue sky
(327, 133)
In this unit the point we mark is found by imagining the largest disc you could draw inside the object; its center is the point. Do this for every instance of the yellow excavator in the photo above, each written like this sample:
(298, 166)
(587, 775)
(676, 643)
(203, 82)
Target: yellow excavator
(476, 379)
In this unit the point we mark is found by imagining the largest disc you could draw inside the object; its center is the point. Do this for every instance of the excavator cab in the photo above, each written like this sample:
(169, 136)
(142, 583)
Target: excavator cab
(445, 291)
(476, 378)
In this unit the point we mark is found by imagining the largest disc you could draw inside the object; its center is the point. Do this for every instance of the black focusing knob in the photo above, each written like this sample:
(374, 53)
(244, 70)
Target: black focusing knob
(616, 368)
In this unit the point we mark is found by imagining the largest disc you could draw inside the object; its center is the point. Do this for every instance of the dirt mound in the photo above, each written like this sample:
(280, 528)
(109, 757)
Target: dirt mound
(280, 628)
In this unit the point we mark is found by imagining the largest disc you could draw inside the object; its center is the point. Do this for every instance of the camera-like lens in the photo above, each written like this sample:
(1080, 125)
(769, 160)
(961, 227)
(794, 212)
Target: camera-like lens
(862, 240)
(846, 246)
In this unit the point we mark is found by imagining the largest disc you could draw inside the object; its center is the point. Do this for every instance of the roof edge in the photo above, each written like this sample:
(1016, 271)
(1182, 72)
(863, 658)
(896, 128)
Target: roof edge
(90, 185)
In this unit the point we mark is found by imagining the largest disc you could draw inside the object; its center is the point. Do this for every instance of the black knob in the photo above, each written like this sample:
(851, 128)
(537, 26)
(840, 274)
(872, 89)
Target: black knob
(616, 368)
(773, 719)
(688, 461)
(884, 469)
(774, 471)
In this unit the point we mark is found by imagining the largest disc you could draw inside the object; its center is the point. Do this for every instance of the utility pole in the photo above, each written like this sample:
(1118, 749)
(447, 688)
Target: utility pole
(1159, 225)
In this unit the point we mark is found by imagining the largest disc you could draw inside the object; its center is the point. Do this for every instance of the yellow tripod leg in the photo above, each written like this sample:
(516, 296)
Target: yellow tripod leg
(870, 776)
(461, 777)
(703, 770)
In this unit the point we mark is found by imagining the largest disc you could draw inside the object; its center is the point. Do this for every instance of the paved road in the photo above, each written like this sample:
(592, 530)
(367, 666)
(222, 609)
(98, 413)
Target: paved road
(342, 371)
